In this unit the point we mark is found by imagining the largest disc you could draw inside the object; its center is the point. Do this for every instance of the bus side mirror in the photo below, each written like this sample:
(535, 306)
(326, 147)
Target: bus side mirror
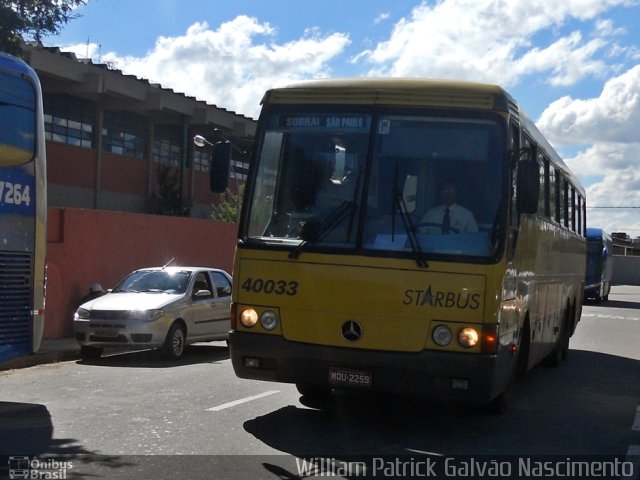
(220, 163)
(528, 183)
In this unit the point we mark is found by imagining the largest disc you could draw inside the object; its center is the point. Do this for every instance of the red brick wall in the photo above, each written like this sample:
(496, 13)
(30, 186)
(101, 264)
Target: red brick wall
(124, 174)
(70, 165)
(86, 246)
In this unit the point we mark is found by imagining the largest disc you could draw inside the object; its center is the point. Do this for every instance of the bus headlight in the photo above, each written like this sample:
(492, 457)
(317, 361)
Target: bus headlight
(269, 320)
(442, 335)
(468, 337)
(249, 317)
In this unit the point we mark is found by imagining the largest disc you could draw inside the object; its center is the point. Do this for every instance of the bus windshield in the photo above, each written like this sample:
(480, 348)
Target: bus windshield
(379, 183)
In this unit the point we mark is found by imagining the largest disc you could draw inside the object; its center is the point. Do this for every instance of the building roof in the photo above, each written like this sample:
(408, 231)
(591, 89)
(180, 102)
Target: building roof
(64, 72)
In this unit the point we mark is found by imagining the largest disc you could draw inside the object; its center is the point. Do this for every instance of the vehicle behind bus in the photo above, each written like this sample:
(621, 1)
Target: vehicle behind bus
(342, 279)
(599, 265)
(22, 209)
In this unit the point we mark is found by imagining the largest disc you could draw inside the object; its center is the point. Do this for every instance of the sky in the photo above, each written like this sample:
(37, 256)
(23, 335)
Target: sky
(573, 65)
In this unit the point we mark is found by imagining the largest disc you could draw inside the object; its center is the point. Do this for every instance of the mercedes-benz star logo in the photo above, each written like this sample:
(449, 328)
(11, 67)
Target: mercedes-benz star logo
(351, 330)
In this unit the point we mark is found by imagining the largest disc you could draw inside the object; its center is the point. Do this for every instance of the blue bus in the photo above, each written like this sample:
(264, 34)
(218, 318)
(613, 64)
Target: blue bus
(597, 283)
(23, 209)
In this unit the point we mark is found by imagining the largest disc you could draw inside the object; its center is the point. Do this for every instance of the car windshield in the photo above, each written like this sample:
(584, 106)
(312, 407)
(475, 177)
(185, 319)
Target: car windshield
(354, 181)
(155, 281)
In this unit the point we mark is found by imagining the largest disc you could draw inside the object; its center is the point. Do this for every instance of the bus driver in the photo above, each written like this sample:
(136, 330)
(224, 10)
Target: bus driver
(448, 217)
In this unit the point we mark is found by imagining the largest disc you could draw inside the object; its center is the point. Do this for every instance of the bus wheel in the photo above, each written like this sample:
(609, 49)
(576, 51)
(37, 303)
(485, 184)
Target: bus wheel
(561, 350)
(314, 392)
(89, 353)
(500, 404)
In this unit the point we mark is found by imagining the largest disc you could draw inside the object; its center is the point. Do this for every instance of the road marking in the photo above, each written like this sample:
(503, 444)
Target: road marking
(610, 317)
(242, 400)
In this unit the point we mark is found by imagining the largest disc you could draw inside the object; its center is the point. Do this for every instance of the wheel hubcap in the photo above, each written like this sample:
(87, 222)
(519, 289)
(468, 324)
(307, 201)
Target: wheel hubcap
(178, 342)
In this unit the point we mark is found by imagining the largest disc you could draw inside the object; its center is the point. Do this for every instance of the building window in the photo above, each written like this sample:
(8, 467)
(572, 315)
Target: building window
(201, 160)
(240, 169)
(125, 133)
(69, 120)
(167, 145)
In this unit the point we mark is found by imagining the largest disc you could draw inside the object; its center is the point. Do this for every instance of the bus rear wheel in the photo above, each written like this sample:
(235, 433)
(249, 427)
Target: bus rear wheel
(561, 350)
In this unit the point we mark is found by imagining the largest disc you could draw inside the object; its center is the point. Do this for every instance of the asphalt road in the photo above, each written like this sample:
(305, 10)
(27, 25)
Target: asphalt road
(136, 415)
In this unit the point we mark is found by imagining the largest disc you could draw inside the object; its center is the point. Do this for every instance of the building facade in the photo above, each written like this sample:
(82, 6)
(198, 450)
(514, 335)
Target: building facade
(117, 142)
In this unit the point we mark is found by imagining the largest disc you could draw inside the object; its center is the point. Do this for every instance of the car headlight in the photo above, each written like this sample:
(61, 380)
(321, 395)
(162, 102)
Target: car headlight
(146, 315)
(82, 313)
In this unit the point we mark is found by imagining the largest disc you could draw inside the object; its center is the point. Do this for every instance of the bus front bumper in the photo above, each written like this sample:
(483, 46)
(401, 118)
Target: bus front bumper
(441, 376)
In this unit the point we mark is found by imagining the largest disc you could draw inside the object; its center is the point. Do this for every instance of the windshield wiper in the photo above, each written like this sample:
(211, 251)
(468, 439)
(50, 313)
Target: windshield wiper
(315, 230)
(410, 228)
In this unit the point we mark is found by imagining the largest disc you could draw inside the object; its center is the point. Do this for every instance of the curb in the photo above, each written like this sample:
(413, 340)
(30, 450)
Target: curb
(40, 358)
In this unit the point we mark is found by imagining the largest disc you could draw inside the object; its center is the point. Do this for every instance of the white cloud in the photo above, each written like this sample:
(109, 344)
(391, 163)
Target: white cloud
(230, 66)
(605, 158)
(618, 189)
(381, 18)
(612, 117)
(491, 40)
(608, 125)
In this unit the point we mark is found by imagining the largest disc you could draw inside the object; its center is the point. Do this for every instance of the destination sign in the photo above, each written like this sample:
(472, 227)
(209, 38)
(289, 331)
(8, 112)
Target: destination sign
(325, 121)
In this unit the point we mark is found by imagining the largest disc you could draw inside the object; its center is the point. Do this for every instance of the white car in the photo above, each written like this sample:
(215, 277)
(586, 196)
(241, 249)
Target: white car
(164, 307)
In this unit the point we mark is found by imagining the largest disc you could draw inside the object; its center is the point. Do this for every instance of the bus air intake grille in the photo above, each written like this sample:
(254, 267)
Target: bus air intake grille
(16, 293)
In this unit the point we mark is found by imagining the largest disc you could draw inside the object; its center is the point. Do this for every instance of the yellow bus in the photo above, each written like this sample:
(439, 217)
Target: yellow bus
(347, 273)
(23, 209)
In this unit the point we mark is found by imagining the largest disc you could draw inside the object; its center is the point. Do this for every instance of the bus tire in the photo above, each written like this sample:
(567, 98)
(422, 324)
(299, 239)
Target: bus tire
(500, 404)
(561, 350)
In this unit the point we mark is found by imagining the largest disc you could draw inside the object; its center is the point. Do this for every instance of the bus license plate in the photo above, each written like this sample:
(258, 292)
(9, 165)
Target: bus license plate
(352, 378)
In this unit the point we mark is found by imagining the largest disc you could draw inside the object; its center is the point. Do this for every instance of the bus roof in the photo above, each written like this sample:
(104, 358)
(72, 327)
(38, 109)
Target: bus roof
(393, 91)
(596, 233)
(15, 64)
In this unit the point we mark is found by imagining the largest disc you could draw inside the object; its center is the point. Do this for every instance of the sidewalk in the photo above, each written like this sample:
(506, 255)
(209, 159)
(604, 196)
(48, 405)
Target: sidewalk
(51, 351)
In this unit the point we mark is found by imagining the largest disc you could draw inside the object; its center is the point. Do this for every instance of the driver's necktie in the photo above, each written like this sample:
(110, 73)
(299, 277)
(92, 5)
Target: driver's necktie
(446, 221)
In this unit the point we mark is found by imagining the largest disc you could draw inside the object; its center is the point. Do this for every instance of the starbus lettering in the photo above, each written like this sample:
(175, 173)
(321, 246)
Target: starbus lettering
(441, 299)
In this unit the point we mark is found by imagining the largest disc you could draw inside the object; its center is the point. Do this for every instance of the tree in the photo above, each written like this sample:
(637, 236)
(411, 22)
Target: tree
(228, 209)
(167, 200)
(33, 19)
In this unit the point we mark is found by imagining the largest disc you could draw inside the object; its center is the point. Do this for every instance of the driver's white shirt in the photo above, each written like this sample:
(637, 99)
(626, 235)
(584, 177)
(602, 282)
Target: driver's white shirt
(461, 220)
